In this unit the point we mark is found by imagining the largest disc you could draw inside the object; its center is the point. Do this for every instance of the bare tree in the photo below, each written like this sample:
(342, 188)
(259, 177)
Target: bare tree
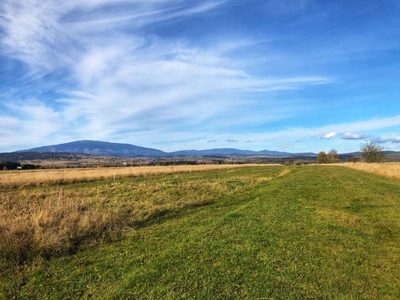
(371, 152)
(332, 156)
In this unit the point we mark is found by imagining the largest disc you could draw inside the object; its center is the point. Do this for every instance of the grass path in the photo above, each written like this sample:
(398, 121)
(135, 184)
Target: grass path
(308, 232)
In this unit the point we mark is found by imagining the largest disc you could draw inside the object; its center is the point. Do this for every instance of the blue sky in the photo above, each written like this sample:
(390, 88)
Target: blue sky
(286, 75)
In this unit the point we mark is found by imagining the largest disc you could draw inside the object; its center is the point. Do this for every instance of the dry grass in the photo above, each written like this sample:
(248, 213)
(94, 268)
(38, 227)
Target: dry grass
(390, 170)
(39, 177)
(49, 220)
(284, 172)
(47, 224)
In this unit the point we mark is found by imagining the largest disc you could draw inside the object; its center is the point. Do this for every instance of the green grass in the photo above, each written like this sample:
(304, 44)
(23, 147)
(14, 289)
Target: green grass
(301, 232)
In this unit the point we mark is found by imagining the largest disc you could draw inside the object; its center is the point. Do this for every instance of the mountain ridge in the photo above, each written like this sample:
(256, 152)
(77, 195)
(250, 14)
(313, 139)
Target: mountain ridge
(129, 150)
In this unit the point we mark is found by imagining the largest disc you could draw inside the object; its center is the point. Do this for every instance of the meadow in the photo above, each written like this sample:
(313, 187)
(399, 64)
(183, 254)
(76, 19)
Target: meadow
(244, 232)
(390, 170)
(42, 177)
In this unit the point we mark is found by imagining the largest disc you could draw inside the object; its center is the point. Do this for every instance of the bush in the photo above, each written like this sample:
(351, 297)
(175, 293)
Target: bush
(321, 158)
(372, 153)
(332, 157)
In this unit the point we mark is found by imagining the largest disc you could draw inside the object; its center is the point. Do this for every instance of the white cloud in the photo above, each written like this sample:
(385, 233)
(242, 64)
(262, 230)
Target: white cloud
(156, 87)
(329, 135)
(355, 136)
(33, 34)
(366, 125)
(392, 147)
(44, 35)
(372, 138)
(308, 135)
(135, 14)
(285, 145)
(385, 139)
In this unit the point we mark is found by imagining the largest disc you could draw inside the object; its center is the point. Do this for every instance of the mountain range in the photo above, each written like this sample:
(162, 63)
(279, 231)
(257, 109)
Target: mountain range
(128, 150)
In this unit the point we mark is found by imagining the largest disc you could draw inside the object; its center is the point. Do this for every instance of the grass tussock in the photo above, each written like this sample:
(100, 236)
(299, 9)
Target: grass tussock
(390, 170)
(50, 225)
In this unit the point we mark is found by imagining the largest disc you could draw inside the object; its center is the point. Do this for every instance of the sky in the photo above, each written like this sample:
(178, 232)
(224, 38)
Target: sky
(284, 75)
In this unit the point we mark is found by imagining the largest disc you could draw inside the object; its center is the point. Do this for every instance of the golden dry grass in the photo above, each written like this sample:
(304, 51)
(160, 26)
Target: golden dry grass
(37, 223)
(37, 177)
(390, 170)
(50, 220)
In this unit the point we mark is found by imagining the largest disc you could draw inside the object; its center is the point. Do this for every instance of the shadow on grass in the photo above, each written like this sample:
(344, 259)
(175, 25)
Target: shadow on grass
(14, 261)
(160, 216)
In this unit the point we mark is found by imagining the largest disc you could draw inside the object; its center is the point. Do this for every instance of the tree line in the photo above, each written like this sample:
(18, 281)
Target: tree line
(370, 153)
(9, 165)
(13, 165)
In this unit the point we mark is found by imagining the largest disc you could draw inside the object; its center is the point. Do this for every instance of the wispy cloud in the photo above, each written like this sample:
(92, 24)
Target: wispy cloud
(355, 136)
(51, 34)
(307, 135)
(385, 139)
(136, 14)
(285, 145)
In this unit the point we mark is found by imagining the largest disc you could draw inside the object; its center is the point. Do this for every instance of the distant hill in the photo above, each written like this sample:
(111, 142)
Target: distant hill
(100, 148)
(228, 152)
(128, 150)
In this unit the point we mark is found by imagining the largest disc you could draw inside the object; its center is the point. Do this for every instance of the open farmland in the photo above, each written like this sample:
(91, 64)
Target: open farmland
(253, 232)
(72, 175)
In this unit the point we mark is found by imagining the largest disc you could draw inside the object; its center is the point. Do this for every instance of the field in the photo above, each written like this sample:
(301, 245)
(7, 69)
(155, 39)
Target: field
(390, 170)
(249, 232)
(63, 176)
